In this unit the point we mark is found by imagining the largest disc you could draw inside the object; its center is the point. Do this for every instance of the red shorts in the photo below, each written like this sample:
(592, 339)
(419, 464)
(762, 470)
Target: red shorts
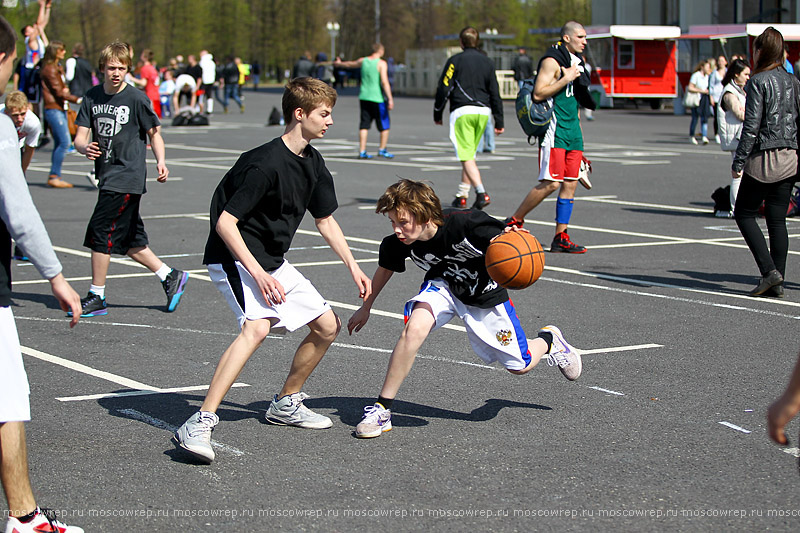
(559, 164)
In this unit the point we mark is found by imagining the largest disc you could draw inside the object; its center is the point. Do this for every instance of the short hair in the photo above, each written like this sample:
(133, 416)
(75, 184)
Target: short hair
(770, 50)
(78, 49)
(416, 198)
(307, 94)
(376, 47)
(469, 37)
(569, 28)
(8, 38)
(149, 54)
(118, 51)
(17, 100)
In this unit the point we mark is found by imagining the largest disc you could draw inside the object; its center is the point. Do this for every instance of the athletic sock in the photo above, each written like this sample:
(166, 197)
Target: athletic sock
(463, 190)
(99, 290)
(163, 272)
(385, 402)
(547, 337)
(480, 189)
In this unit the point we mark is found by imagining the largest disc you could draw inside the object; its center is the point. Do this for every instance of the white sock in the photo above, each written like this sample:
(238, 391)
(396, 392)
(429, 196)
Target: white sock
(99, 290)
(480, 189)
(163, 271)
(463, 190)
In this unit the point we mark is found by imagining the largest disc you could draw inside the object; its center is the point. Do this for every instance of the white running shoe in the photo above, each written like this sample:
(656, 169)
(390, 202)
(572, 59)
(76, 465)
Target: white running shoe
(290, 411)
(564, 355)
(693, 139)
(705, 139)
(91, 177)
(44, 520)
(376, 421)
(194, 435)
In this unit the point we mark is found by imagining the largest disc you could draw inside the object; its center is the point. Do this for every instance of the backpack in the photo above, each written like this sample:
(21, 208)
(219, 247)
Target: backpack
(275, 118)
(534, 117)
(197, 120)
(722, 199)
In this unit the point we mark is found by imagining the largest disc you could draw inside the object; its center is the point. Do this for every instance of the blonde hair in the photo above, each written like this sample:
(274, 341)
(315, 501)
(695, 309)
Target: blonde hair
(118, 51)
(17, 100)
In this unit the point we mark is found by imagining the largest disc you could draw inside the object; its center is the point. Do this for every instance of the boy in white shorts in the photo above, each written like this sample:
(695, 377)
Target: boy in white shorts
(255, 212)
(450, 247)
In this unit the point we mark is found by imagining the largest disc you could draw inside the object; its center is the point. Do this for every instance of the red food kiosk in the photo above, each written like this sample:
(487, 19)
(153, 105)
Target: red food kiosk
(633, 63)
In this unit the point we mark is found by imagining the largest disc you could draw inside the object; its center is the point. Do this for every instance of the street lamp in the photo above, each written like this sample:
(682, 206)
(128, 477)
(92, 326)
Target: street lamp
(333, 31)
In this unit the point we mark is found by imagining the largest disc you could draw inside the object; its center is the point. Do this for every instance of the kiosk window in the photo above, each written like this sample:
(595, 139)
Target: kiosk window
(625, 55)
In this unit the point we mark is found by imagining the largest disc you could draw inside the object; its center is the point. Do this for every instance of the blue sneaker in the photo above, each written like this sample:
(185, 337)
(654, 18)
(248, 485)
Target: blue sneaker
(383, 153)
(92, 305)
(174, 286)
(364, 155)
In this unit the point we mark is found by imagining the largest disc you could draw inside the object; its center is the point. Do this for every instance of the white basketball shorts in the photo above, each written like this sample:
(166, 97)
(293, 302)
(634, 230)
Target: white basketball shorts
(14, 390)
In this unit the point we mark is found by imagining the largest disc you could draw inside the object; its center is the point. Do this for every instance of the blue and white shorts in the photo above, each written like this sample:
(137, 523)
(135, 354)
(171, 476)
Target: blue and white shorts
(495, 333)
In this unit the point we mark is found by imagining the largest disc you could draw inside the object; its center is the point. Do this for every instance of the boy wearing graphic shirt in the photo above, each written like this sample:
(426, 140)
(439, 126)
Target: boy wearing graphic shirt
(450, 246)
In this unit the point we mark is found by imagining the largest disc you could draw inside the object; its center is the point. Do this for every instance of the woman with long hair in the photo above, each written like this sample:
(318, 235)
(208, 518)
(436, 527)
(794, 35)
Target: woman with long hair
(766, 160)
(730, 116)
(698, 83)
(55, 95)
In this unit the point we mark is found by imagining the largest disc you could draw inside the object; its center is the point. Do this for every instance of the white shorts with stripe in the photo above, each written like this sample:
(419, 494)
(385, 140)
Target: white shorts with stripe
(14, 390)
(303, 303)
(495, 333)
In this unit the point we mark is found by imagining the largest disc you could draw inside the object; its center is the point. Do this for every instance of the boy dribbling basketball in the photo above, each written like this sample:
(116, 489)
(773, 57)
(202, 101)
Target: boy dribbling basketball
(450, 246)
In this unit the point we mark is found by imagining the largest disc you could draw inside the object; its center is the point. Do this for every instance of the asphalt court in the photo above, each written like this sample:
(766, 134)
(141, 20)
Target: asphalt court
(664, 430)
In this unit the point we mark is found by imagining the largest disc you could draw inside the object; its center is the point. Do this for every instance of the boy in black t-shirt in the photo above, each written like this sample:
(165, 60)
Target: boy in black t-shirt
(255, 212)
(451, 247)
(120, 120)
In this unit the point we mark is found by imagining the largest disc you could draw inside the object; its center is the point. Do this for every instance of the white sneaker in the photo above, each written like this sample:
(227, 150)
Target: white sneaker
(562, 354)
(693, 139)
(376, 421)
(44, 520)
(92, 178)
(290, 411)
(717, 140)
(705, 140)
(194, 435)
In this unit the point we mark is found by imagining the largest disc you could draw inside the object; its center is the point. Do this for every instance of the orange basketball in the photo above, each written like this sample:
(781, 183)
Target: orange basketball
(515, 260)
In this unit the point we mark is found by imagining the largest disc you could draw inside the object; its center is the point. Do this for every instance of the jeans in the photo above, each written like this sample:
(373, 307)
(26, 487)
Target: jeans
(487, 141)
(776, 197)
(57, 119)
(231, 91)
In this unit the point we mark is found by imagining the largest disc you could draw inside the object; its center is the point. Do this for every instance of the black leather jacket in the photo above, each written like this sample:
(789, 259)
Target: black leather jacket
(771, 114)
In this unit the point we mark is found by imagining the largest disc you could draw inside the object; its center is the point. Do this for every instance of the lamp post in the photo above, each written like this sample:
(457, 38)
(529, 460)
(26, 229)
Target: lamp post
(333, 31)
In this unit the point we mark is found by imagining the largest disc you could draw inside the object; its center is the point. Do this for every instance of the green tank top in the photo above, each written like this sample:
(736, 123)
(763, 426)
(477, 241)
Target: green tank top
(370, 81)
(568, 133)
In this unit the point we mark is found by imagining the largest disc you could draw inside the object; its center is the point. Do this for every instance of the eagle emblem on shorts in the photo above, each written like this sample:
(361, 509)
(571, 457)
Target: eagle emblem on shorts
(504, 337)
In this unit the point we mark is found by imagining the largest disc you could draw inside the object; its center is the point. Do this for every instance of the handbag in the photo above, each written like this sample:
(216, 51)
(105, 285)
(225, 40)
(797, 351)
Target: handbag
(691, 99)
(73, 128)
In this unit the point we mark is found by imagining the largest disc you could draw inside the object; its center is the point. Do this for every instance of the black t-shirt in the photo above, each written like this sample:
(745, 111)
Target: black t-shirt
(455, 254)
(195, 71)
(119, 123)
(269, 190)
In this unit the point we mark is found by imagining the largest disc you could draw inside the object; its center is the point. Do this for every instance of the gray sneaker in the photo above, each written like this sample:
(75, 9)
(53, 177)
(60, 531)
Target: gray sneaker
(562, 354)
(376, 420)
(194, 435)
(290, 411)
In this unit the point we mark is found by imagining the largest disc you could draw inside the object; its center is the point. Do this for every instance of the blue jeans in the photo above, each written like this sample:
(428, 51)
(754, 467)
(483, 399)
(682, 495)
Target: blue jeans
(231, 91)
(487, 141)
(58, 125)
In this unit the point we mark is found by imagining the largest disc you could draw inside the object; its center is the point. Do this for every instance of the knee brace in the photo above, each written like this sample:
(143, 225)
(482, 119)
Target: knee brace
(563, 210)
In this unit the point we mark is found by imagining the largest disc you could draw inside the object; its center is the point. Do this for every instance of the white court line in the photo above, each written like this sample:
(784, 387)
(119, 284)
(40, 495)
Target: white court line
(140, 393)
(83, 173)
(160, 424)
(795, 452)
(608, 391)
(734, 426)
(72, 365)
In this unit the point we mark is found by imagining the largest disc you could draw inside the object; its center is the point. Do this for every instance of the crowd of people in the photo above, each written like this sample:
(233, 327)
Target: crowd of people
(757, 121)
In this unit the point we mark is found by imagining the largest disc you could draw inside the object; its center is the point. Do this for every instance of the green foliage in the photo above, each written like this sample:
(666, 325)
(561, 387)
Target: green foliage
(276, 32)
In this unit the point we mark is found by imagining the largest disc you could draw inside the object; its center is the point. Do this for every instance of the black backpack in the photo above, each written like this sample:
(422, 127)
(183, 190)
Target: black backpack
(534, 117)
(275, 118)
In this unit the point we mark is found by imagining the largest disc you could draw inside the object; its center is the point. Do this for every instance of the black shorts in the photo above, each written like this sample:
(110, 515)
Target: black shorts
(376, 111)
(115, 226)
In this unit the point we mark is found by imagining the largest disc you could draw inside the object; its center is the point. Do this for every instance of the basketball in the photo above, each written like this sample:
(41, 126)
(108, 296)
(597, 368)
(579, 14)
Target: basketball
(515, 260)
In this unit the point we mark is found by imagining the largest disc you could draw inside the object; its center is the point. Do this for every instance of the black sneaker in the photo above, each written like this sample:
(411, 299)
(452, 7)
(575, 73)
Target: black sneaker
(174, 286)
(481, 201)
(563, 244)
(92, 305)
(513, 221)
(459, 202)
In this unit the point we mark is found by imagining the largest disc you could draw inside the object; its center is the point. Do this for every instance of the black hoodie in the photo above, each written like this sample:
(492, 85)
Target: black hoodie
(560, 53)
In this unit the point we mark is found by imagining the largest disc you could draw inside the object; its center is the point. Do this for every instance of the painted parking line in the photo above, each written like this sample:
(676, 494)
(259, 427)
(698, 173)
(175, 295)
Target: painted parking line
(140, 393)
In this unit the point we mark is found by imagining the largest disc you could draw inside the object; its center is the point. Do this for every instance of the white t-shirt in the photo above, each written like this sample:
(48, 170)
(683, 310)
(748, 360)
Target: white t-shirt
(699, 80)
(30, 131)
(184, 80)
